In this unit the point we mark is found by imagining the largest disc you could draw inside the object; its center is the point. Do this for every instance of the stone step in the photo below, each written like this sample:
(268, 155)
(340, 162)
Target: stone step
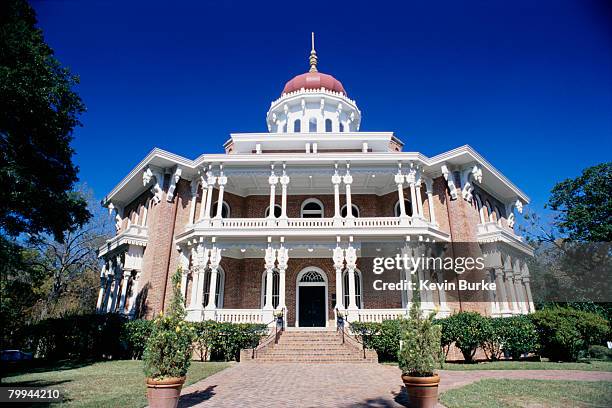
(312, 360)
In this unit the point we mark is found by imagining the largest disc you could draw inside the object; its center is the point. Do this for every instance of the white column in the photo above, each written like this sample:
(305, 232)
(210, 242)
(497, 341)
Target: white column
(348, 180)
(429, 189)
(215, 260)
(399, 180)
(502, 296)
(124, 287)
(336, 180)
(204, 186)
(134, 295)
(107, 290)
(284, 180)
(272, 180)
(210, 180)
(222, 181)
(102, 288)
(528, 287)
(184, 273)
(116, 285)
(408, 278)
(270, 259)
(351, 265)
(419, 200)
(338, 257)
(282, 258)
(442, 294)
(518, 285)
(194, 197)
(413, 199)
(203, 256)
(195, 275)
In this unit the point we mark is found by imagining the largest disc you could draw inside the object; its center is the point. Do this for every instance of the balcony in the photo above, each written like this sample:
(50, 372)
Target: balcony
(134, 235)
(314, 227)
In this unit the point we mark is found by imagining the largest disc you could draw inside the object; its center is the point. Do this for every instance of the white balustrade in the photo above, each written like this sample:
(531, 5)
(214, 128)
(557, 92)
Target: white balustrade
(376, 222)
(378, 315)
(310, 222)
(239, 315)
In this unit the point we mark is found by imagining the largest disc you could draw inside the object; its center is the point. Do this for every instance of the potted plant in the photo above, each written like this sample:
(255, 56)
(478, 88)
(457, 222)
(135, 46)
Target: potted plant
(420, 354)
(168, 352)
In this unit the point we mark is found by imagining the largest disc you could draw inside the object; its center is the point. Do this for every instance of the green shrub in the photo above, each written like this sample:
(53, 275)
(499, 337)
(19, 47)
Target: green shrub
(421, 350)
(77, 337)
(517, 335)
(383, 337)
(600, 352)
(565, 334)
(473, 330)
(450, 332)
(134, 335)
(227, 339)
(169, 347)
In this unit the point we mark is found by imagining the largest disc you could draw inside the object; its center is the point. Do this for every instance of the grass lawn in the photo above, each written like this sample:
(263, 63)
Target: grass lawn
(531, 365)
(102, 384)
(592, 365)
(529, 393)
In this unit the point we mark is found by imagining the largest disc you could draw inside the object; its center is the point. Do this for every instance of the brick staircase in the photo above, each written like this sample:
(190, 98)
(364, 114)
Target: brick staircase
(310, 346)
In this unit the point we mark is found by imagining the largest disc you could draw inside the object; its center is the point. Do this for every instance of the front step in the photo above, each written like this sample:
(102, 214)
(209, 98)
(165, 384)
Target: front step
(311, 346)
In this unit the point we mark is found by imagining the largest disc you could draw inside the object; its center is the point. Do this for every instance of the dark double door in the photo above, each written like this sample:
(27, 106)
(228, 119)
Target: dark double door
(312, 306)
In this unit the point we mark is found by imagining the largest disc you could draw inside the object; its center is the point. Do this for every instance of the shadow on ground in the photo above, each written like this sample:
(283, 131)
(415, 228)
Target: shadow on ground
(194, 398)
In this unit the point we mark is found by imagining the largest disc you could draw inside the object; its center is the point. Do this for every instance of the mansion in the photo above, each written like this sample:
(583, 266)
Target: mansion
(279, 222)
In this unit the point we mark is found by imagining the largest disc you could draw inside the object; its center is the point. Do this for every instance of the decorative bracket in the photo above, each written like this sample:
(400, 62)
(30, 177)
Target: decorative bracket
(467, 175)
(173, 181)
(147, 176)
(448, 176)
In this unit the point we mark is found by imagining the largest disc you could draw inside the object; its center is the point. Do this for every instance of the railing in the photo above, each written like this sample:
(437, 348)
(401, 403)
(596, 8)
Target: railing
(367, 222)
(341, 326)
(279, 328)
(378, 315)
(239, 315)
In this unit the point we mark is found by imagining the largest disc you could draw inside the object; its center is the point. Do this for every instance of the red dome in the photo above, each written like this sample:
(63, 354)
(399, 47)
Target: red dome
(314, 80)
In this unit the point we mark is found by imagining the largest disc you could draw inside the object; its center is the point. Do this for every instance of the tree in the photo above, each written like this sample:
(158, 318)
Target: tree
(38, 112)
(584, 205)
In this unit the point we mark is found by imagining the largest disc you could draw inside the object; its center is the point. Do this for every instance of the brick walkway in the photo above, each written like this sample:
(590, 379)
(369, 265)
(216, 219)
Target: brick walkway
(335, 385)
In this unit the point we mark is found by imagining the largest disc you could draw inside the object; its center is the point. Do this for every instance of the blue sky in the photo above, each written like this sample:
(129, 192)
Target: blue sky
(528, 84)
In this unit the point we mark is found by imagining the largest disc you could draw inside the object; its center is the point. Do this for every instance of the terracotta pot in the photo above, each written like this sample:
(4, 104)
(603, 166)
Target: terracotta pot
(164, 393)
(422, 391)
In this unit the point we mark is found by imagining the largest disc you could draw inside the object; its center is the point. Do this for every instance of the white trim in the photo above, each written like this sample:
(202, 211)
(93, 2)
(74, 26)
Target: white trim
(267, 212)
(345, 289)
(220, 281)
(354, 207)
(213, 209)
(312, 200)
(407, 204)
(263, 286)
(325, 283)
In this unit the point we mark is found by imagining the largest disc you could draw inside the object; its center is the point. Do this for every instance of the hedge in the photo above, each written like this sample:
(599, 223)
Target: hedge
(111, 336)
(566, 334)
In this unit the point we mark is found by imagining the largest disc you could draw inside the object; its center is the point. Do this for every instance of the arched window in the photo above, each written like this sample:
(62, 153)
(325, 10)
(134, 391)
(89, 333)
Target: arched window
(490, 212)
(341, 127)
(345, 288)
(498, 215)
(312, 208)
(407, 206)
(480, 208)
(328, 125)
(277, 211)
(225, 210)
(218, 290)
(275, 288)
(312, 125)
(344, 212)
(297, 126)
(285, 127)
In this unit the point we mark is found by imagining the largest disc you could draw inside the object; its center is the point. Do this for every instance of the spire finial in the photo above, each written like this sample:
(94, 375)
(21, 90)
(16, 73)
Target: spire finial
(313, 55)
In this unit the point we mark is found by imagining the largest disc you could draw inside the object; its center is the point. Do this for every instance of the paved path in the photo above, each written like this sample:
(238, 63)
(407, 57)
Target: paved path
(269, 385)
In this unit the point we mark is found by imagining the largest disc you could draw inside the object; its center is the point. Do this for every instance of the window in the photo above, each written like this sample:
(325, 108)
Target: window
(225, 210)
(355, 211)
(297, 126)
(312, 276)
(275, 288)
(479, 207)
(341, 127)
(407, 206)
(498, 215)
(312, 208)
(218, 290)
(277, 211)
(345, 288)
(490, 213)
(285, 127)
(312, 125)
(328, 125)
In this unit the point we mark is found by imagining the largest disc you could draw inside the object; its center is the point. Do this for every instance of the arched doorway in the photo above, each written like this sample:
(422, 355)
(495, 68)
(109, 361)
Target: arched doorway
(311, 298)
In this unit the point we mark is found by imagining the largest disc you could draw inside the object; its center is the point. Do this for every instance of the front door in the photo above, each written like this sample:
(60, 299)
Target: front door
(312, 306)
